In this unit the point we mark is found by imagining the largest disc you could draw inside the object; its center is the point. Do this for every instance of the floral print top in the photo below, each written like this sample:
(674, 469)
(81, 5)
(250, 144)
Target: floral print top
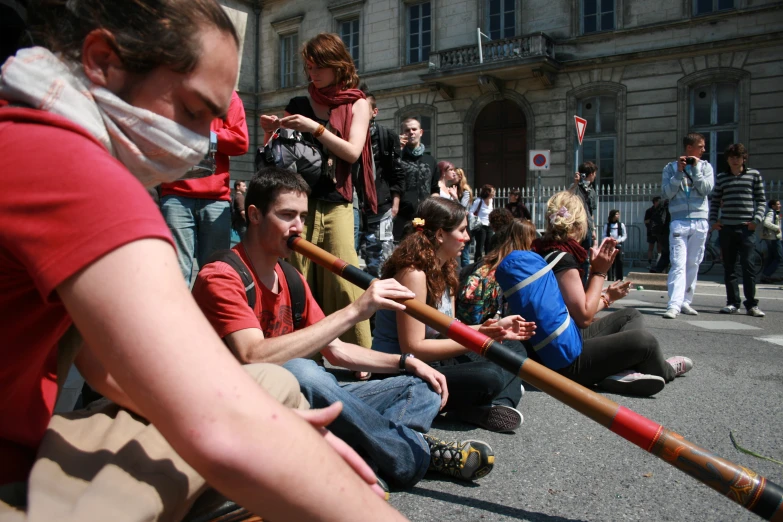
(480, 297)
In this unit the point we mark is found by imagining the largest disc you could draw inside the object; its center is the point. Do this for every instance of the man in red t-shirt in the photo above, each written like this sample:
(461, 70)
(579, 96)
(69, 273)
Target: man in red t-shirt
(88, 249)
(382, 419)
(198, 210)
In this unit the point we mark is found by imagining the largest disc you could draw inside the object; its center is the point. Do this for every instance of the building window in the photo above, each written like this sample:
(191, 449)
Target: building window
(349, 32)
(714, 112)
(600, 141)
(597, 16)
(501, 19)
(419, 32)
(711, 6)
(289, 60)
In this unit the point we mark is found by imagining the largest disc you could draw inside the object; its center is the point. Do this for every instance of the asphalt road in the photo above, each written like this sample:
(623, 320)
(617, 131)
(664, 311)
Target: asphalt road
(561, 466)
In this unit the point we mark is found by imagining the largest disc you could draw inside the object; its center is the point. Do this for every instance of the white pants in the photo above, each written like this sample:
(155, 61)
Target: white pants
(686, 247)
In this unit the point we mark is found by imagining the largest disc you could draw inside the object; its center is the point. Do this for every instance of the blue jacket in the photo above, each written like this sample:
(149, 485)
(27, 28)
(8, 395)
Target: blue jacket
(688, 196)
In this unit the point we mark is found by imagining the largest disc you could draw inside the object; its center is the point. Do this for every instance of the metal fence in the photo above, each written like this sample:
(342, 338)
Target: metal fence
(632, 200)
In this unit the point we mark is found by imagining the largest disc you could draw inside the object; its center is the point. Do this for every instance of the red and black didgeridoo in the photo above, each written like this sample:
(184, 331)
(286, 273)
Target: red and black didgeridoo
(742, 485)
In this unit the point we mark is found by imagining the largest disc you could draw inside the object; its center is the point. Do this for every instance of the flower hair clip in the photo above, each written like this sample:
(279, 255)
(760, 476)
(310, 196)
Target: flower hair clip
(418, 224)
(562, 212)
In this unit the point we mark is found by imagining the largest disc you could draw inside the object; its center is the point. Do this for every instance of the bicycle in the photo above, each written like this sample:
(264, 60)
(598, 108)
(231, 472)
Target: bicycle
(712, 255)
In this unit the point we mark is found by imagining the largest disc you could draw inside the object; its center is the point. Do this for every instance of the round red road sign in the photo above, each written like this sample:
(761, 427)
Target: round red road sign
(539, 160)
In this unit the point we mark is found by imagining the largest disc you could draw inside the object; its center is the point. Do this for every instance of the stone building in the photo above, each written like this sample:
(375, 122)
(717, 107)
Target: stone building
(642, 73)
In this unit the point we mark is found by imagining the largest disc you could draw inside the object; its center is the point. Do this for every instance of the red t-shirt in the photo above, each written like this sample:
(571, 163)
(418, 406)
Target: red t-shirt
(233, 140)
(221, 295)
(65, 203)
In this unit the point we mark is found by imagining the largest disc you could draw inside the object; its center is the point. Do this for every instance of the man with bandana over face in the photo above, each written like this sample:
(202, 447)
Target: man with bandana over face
(120, 99)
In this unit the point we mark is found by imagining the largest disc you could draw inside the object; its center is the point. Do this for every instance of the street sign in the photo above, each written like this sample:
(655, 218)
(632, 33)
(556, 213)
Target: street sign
(581, 125)
(539, 160)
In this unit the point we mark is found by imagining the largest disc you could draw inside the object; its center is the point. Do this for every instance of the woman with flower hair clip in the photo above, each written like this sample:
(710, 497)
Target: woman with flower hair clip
(426, 262)
(618, 353)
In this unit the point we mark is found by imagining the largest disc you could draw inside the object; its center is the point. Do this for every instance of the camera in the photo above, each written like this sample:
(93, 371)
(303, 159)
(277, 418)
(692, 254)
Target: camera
(207, 166)
(690, 161)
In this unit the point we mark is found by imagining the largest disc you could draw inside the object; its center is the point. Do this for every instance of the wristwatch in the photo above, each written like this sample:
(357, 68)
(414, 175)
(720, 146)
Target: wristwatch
(403, 359)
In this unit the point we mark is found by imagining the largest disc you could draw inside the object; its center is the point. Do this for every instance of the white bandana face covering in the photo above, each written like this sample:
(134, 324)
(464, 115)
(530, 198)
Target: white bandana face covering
(153, 148)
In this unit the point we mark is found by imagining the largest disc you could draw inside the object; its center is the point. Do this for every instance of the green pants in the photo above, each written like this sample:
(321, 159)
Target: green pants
(330, 227)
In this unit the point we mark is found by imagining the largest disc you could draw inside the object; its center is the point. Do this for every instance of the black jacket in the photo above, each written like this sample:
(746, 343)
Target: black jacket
(421, 181)
(389, 176)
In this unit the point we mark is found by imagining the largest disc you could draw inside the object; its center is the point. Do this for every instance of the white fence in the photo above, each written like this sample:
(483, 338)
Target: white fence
(631, 200)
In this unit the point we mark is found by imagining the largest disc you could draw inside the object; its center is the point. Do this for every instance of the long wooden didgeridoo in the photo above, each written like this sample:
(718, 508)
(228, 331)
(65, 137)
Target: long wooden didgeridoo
(740, 484)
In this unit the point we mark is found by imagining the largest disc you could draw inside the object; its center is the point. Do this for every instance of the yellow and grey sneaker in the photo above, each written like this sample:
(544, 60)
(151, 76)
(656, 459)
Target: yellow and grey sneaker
(467, 460)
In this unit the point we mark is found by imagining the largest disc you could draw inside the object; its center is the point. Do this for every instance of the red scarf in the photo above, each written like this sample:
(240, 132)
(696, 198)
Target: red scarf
(571, 246)
(340, 103)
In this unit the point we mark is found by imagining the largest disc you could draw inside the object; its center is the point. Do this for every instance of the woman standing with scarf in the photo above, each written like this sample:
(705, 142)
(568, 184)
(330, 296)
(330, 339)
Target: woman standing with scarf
(337, 115)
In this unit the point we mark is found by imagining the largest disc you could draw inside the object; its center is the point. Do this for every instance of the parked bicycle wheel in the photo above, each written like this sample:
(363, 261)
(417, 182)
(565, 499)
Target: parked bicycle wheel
(710, 255)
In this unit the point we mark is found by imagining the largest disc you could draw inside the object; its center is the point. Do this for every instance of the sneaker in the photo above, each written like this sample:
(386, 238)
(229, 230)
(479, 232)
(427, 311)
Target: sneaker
(496, 418)
(729, 309)
(686, 309)
(630, 382)
(680, 364)
(468, 460)
(755, 312)
(671, 313)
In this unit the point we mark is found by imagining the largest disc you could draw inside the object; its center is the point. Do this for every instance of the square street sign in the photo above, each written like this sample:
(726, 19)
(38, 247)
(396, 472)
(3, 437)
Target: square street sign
(539, 160)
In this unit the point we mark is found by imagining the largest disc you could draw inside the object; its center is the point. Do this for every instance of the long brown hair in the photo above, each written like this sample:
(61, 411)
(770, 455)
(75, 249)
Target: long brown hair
(417, 250)
(517, 235)
(328, 51)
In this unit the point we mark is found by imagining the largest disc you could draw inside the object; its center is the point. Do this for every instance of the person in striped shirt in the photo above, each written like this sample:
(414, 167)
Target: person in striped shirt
(739, 196)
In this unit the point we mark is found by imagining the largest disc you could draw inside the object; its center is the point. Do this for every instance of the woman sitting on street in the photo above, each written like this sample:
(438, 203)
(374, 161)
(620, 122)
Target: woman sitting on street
(480, 392)
(617, 353)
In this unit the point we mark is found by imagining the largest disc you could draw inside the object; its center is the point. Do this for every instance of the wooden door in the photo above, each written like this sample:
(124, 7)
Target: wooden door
(500, 145)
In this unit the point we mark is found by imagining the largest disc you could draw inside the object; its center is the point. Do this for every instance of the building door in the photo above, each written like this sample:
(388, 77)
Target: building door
(500, 145)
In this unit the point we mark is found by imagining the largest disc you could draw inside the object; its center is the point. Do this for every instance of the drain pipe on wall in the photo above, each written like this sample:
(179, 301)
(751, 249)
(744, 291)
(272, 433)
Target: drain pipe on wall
(257, 11)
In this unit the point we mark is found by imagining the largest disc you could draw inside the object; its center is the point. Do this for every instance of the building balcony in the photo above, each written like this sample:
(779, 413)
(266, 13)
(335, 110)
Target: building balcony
(501, 58)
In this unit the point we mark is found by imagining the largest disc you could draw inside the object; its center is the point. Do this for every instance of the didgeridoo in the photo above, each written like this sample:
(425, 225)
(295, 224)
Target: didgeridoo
(742, 485)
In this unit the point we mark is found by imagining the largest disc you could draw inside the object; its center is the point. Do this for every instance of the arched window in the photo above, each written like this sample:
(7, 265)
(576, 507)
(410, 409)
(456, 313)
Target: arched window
(602, 104)
(714, 112)
(600, 141)
(715, 103)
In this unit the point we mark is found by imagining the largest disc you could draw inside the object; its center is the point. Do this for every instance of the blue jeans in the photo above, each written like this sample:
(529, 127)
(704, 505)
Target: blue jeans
(377, 250)
(200, 227)
(382, 419)
(774, 255)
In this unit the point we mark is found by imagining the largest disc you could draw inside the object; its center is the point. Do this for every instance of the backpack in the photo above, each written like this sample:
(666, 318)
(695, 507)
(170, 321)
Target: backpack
(296, 287)
(290, 149)
(531, 290)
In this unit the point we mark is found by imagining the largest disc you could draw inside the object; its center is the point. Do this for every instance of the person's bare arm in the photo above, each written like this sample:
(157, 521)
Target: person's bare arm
(353, 357)
(349, 150)
(583, 305)
(165, 355)
(250, 345)
(98, 378)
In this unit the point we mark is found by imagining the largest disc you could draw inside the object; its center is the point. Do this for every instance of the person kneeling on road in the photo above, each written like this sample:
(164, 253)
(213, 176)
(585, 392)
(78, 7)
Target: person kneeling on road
(384, 420)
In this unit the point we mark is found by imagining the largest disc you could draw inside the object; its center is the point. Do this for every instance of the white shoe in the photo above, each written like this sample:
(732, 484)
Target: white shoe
(630, 382)
(686, 309)
(671, 313)
(680, 364)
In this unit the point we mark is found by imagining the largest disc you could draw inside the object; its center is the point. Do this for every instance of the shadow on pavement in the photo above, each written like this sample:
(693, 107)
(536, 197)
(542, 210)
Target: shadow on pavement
(490, 507)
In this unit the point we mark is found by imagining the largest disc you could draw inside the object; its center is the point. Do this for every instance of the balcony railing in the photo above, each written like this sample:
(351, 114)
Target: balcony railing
(506, 50)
